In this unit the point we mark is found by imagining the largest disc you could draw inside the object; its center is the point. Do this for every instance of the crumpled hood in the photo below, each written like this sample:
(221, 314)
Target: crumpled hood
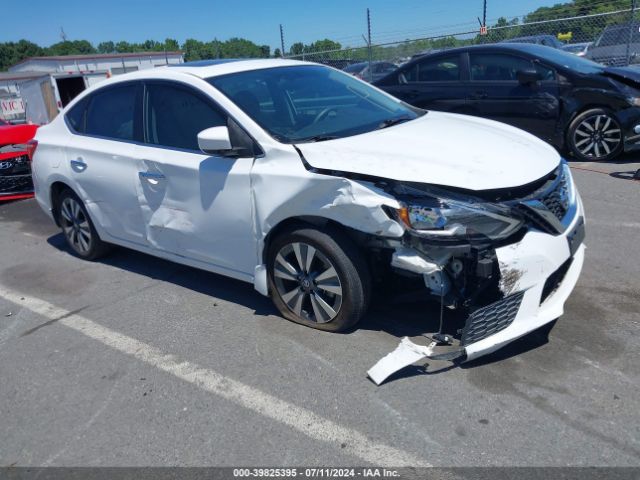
(441, 149)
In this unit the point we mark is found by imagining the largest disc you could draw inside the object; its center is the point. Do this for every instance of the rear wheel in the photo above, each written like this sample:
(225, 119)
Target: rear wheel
(318, 279)
(595, 134)
(78, 230)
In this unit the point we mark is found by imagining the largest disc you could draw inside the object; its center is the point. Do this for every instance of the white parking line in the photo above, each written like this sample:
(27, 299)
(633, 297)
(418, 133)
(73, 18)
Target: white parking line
(310, 424)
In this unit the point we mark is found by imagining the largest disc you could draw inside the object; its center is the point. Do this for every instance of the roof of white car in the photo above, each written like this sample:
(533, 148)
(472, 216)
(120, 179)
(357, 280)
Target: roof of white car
(213, 68)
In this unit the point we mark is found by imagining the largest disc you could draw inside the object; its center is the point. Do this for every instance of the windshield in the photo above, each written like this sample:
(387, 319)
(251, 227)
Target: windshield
(311, 103)
(569, 60)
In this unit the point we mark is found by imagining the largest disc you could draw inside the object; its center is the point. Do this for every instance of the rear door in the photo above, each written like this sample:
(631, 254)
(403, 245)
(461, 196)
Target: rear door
(194, 205)
(496, 93)
(433, 83)
(102, 157)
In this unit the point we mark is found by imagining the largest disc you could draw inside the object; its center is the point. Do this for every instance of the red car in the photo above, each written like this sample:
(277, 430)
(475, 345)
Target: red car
(15, 161)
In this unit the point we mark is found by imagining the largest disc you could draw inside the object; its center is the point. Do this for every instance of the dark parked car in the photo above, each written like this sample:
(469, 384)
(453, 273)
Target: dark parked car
(575, 104)
(378, 70)
(617, 45)
(546, 40)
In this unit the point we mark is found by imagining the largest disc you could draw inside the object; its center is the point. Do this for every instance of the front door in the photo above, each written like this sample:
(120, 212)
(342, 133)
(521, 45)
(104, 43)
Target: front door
(495, 93)
(194, 205)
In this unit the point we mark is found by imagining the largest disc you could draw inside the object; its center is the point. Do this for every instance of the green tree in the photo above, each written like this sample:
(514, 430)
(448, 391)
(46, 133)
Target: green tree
(71, 47)
(171, 45)
(297, 48)
(106, 47)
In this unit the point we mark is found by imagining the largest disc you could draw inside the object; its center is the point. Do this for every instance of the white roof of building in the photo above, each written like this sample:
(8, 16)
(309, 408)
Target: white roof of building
(213, 68)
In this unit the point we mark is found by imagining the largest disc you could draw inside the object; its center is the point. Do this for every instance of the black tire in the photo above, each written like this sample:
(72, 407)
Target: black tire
(352, 278)
(599, 144)
(78, 229)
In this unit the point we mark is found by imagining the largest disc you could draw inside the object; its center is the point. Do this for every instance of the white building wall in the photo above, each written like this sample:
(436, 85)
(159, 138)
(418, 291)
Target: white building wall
(97, 64)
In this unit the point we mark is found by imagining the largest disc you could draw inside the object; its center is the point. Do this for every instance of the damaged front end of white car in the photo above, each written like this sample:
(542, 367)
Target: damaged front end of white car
(509, 258)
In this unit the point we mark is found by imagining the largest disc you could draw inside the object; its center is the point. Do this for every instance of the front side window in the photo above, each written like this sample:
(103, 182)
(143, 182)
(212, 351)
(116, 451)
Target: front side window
(497, 67)
(311, 103)
(111, 113)
(174, 116)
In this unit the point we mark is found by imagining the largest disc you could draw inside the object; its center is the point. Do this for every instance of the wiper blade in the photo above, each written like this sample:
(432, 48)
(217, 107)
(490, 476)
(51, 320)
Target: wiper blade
(393, 121)
(317, 138)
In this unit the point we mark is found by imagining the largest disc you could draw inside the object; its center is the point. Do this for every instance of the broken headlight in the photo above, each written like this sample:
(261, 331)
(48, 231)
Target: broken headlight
(455, 218)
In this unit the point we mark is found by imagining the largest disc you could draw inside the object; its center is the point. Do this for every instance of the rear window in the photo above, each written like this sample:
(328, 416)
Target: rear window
(442, 69)
(76, 117)
(111, 113)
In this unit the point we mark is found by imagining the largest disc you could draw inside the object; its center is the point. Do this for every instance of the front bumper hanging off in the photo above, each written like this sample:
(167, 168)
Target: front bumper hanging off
(537, 274)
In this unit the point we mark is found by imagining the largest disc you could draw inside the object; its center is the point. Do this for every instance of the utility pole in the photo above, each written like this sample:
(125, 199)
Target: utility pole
(369, 43)
(282, 40)
(631, 27)
(484, 14)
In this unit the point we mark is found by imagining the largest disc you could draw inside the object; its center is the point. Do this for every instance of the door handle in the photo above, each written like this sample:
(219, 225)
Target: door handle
(78, 164)
(153, 178)
(480, 95)
(151, 175)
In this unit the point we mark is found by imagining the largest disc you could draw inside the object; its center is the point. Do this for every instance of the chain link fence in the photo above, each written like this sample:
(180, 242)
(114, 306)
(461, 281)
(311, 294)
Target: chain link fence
(611, 38)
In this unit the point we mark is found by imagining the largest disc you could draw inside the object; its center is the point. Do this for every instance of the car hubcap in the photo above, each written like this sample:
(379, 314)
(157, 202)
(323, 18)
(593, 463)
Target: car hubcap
(75, 225)
(597, 136)
(307, 282)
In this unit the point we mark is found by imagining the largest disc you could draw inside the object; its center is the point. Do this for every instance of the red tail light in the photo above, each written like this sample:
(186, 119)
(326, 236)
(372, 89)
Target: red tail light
(31, 148)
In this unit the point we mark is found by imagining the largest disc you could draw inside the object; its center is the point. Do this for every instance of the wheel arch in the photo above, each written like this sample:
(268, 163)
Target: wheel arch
(303, 221)
(55, 190)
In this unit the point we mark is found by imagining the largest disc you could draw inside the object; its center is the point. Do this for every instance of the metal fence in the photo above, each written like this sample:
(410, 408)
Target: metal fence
(611, 38)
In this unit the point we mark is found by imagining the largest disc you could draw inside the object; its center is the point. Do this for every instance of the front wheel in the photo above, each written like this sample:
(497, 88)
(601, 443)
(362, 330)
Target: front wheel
(595, 134)
(318, 279)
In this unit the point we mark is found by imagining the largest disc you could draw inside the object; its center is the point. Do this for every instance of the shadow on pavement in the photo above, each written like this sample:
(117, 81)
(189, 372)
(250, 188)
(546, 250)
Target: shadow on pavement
(387, 314)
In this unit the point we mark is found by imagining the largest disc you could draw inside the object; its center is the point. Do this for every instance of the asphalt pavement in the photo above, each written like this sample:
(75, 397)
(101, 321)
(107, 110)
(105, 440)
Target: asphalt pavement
(136, 361)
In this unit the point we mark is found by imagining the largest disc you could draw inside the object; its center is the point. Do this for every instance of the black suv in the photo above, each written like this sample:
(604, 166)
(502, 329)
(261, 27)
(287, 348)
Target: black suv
(573, 103)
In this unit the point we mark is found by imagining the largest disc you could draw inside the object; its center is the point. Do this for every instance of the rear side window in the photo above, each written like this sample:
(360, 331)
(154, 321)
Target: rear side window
(443, 69)
(497, 67)
(111, 113)
(174, 116)
(76, 117)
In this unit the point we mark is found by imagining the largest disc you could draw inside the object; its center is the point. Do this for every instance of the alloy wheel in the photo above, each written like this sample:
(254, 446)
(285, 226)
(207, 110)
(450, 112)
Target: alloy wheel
(307, 282)
(597, 136)
(75, 225)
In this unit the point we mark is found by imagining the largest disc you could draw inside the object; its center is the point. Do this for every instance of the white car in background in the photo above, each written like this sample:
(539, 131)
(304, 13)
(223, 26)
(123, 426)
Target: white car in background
(304, 181)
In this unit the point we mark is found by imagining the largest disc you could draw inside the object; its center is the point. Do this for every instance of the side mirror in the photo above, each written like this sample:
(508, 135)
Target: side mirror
(527, 77)
(214, 140)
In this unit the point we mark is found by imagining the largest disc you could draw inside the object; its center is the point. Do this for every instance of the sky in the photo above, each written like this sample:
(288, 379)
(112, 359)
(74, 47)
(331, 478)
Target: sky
(255, 20)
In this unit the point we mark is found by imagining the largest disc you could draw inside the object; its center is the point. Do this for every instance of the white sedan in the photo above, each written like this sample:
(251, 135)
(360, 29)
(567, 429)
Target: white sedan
(303, 180)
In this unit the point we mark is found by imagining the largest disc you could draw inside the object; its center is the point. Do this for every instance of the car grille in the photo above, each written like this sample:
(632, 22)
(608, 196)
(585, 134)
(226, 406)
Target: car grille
(546, 209)
(15, 175)
(491, 319)
(557, 200)
(16, 184)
